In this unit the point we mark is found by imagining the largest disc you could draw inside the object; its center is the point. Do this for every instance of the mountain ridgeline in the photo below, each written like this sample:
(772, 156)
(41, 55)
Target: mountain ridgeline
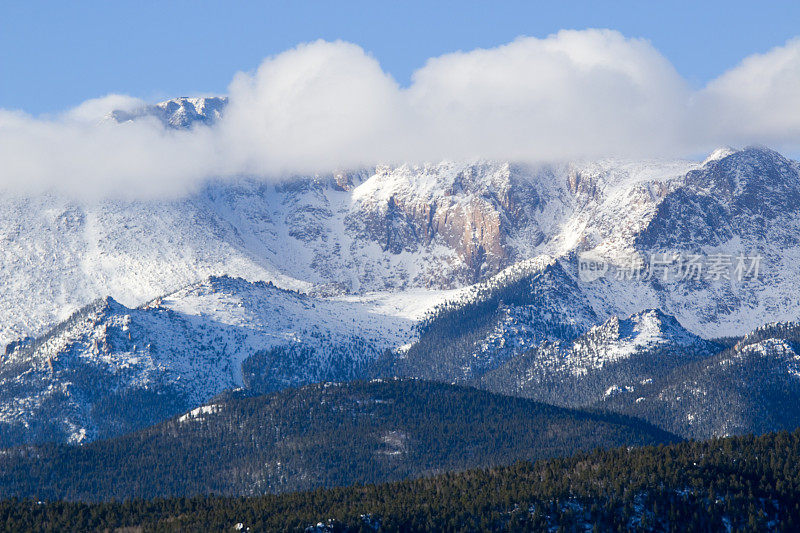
(526, 306)
(406, 347)
(111, 369)
(752, 387)
(392, 322)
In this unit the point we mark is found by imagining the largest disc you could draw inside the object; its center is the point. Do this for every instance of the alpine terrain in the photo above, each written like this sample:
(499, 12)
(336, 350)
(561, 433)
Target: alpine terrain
(121, 314)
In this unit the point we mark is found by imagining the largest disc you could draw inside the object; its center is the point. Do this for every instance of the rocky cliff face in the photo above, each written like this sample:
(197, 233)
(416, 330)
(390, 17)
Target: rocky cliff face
(473, 210)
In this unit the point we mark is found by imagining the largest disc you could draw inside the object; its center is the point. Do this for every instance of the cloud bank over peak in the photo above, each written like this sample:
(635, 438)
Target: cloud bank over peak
(329, 105)
(758, 100)
(574, 94)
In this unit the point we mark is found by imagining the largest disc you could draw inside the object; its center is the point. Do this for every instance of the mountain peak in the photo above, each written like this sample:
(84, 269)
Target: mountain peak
(178, 113)
(720, 153)
(753, 155)
(646, 329)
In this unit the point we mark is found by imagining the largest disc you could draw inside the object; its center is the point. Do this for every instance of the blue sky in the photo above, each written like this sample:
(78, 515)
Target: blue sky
(54, 55)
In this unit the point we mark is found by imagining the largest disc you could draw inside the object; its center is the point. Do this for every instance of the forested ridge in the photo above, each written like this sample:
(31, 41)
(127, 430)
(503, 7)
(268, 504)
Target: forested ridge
(750, 387)
(737, 484)
(450, 333)
(316, 436)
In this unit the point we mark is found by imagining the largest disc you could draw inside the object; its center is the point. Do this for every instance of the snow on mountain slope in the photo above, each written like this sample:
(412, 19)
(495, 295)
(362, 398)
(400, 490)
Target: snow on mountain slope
(745, 203)
(613, 201)
(485, 325)
(110, 368)
(177, 113)
(619, 339)
(752, 387)
(438, 226)
(59, 256)
(609, 357)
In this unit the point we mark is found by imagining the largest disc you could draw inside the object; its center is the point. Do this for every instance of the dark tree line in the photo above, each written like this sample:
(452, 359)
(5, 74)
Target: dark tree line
(737, 484)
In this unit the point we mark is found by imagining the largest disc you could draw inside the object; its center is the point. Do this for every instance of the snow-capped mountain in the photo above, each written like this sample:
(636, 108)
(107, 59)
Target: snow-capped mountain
(346, 233)
(746, 203)
(609, 358)
(109, 368)
(369, 253)
(491, 322)
(178, 113)
(436, 226)
(752, 387)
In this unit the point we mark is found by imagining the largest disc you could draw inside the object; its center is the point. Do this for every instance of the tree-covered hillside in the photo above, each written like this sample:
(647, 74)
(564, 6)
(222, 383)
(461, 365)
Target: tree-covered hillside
(316, 436)
(732, 484)
(751, 387)
(523, 306)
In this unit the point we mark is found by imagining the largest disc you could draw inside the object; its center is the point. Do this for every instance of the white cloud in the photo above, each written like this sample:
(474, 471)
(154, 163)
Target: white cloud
(318, 106)
(90, 159)
(96, 109)
(324, 105)
(757, 101)
(574, 94)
